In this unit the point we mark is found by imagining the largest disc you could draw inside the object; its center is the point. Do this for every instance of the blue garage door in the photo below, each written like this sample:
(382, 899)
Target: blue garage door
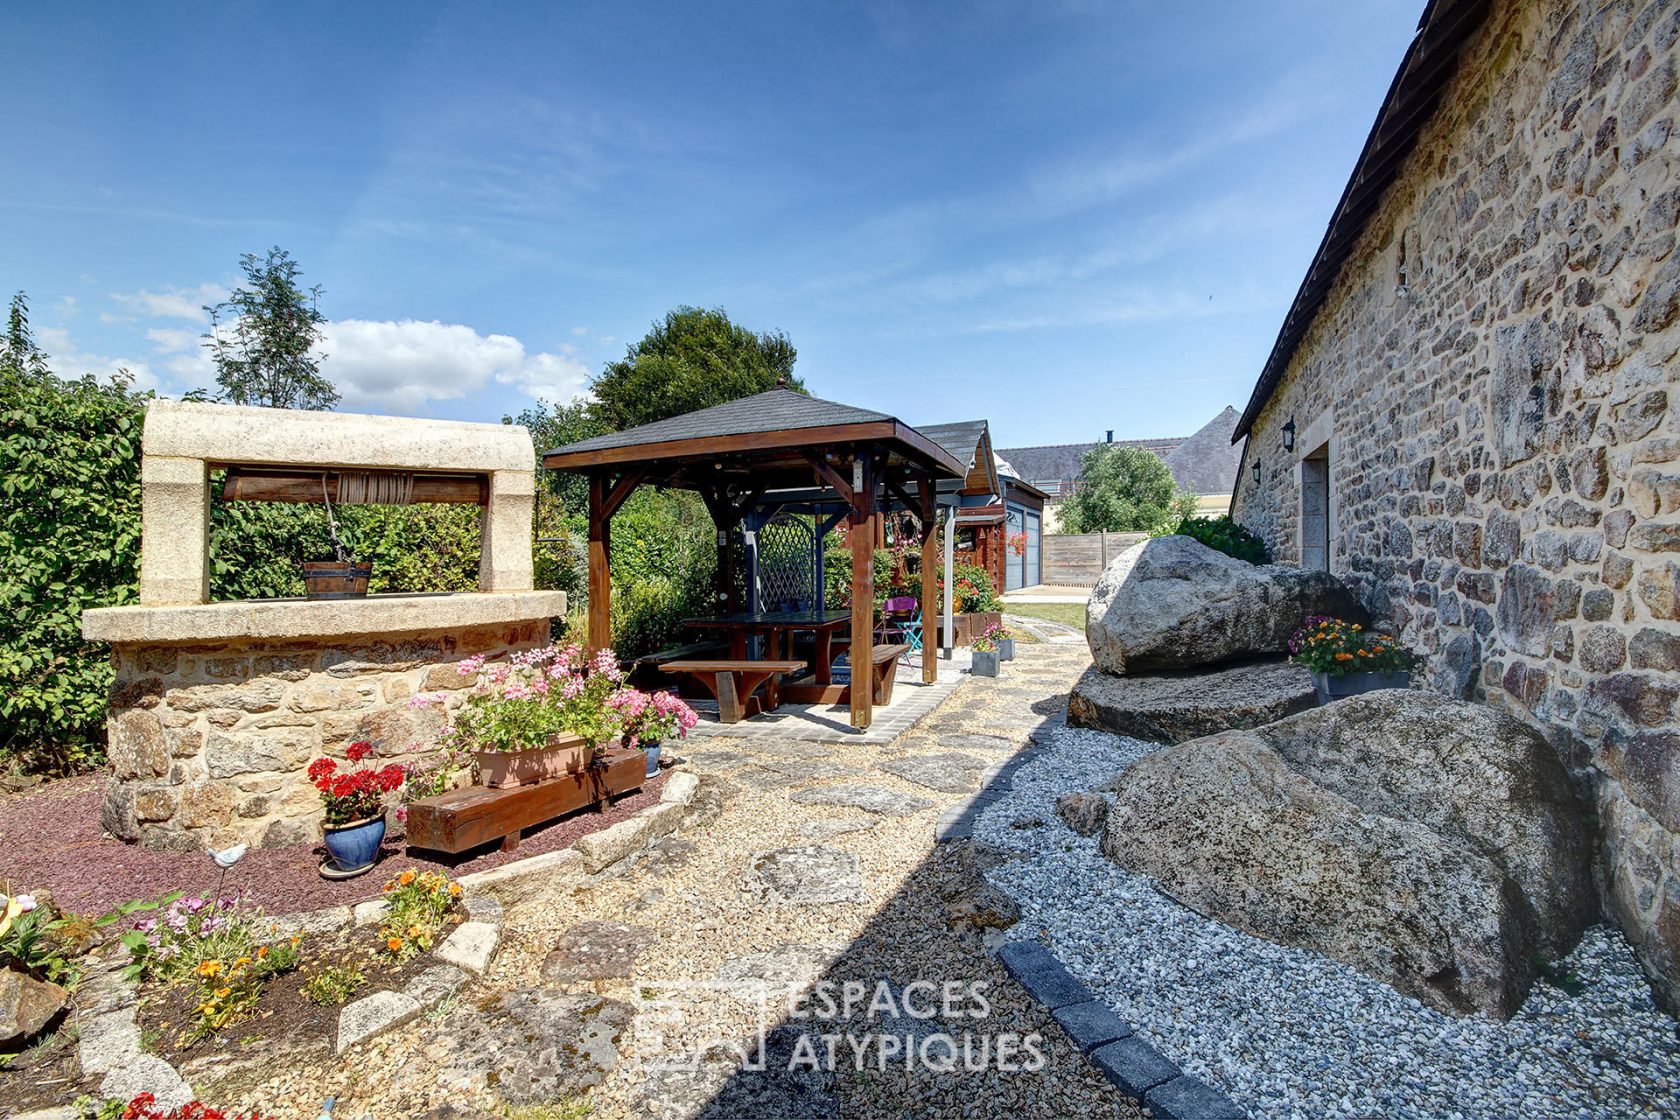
(1035, 536)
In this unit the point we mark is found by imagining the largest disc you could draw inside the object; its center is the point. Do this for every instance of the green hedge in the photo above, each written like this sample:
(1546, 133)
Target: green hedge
(70, 538)
(1228, 536)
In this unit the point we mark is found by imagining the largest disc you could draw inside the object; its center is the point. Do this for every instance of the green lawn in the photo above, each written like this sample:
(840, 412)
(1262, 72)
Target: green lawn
(1068, 614)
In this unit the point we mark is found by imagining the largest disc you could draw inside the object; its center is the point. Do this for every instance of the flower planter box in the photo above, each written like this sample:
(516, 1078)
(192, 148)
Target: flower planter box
(1006, 649)
(473, 816)
(985, 664)
(564, 754)
(967, 627)
(1331, 688)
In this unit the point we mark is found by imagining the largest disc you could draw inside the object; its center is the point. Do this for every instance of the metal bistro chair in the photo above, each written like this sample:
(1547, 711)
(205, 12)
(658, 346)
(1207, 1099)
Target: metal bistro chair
(901, 621)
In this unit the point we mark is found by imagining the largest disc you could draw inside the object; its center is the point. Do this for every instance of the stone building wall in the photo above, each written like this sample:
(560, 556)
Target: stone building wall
(1493, 371)
(209, 742)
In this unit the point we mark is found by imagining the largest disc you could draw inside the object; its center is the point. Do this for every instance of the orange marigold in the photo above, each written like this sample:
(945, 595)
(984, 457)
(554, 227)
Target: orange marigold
(406, 878)
(394, 944)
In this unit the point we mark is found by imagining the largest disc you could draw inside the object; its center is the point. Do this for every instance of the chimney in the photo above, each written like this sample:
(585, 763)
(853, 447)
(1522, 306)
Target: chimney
(1110, 436)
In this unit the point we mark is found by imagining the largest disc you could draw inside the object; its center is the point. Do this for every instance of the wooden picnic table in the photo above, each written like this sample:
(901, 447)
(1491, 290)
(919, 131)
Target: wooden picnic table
(778, 628)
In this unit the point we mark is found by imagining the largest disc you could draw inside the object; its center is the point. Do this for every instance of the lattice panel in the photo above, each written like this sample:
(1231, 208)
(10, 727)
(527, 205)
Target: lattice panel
(788, 563)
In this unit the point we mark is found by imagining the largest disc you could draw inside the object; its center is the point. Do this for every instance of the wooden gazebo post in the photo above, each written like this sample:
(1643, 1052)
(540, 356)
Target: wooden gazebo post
(860, 532)
(605, 496)
(930, 576)
(600, 558)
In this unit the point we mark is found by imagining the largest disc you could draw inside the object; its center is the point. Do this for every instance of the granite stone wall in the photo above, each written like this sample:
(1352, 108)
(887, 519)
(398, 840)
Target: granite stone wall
(1493, 373)
(209, 743)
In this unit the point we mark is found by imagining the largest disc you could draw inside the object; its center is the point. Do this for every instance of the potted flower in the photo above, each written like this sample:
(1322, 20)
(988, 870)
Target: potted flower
(1346, 659)
(648, 719)
(355, 805)
(985, 649)
(541, 714)
(1004, 639)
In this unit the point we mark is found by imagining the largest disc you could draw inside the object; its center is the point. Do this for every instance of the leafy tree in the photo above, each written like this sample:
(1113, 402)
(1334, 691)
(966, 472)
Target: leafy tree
(264, 356)
(695, 358)
(18, 352)
(555, 425)
(1125, 490)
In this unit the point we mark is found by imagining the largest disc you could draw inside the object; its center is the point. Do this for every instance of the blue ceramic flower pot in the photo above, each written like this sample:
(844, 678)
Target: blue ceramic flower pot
(354, 846)
(650, 751)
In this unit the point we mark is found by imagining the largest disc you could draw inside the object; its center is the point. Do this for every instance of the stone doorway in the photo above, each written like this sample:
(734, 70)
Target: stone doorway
(1315, 510)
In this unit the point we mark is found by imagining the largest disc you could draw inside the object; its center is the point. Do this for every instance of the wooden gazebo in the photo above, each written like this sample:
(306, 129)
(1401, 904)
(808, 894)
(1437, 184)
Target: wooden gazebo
(778, 451)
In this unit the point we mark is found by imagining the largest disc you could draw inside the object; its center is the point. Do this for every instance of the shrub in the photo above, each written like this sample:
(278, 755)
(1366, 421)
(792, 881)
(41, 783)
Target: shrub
(975, 592)
(1228, 536)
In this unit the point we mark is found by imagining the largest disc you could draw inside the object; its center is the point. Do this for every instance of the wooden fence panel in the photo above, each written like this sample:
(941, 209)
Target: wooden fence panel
(1077, 559)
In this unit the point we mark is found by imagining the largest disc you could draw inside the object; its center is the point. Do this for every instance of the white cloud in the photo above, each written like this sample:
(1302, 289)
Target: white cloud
(173, 303)
(406, 365)
(69, 360)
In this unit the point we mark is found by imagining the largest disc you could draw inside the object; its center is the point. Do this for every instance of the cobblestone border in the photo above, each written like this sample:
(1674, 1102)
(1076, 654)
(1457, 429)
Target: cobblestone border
(1130, 1064)
(108, 1038)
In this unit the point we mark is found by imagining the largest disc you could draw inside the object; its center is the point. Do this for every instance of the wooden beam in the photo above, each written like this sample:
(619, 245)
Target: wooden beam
(622, 489)
(246, 484)
(600, 570)
(826, 473)
(896, 488)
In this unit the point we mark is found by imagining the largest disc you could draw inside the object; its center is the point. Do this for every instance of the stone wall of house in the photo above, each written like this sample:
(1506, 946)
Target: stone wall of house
(209, 743)
(1495, 371)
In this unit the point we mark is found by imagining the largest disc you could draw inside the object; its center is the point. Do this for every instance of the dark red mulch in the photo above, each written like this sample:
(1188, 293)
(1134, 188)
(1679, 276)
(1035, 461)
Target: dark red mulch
(50, 839)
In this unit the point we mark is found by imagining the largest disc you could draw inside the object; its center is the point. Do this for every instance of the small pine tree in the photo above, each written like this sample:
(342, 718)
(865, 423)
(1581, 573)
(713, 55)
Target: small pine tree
(264, 356)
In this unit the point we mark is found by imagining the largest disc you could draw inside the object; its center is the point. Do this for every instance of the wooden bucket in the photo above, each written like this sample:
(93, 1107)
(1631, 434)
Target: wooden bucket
(335, 579)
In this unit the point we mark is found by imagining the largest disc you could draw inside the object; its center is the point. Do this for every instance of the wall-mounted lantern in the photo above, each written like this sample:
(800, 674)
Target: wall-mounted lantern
(1256, 471)
(1289, 435)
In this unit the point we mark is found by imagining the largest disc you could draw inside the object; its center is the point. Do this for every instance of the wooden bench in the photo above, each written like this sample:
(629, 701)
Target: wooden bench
(734, 682)
(466, 818)
(643, 671)
(883, 671)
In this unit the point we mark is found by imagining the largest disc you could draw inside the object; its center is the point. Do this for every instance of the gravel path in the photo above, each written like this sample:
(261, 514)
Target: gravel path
(773, 888)
(1288, 1033)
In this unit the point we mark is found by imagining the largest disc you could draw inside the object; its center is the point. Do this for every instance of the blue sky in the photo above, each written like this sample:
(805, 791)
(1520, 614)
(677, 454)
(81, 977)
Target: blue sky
(1064, 217)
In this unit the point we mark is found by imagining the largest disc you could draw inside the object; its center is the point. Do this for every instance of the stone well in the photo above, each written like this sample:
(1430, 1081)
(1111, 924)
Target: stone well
(217, 709)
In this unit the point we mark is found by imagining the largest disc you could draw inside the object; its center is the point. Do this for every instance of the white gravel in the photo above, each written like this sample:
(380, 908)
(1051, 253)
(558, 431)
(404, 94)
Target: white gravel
(1289, 1033)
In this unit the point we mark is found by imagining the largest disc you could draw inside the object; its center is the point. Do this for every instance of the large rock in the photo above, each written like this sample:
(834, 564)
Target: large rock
(1174, 603)
(1173, 707)
(1431, 843)
(27, 1005)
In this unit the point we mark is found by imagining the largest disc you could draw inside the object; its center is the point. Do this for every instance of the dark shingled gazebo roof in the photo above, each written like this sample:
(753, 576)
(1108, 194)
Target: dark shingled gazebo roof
(764, 434)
